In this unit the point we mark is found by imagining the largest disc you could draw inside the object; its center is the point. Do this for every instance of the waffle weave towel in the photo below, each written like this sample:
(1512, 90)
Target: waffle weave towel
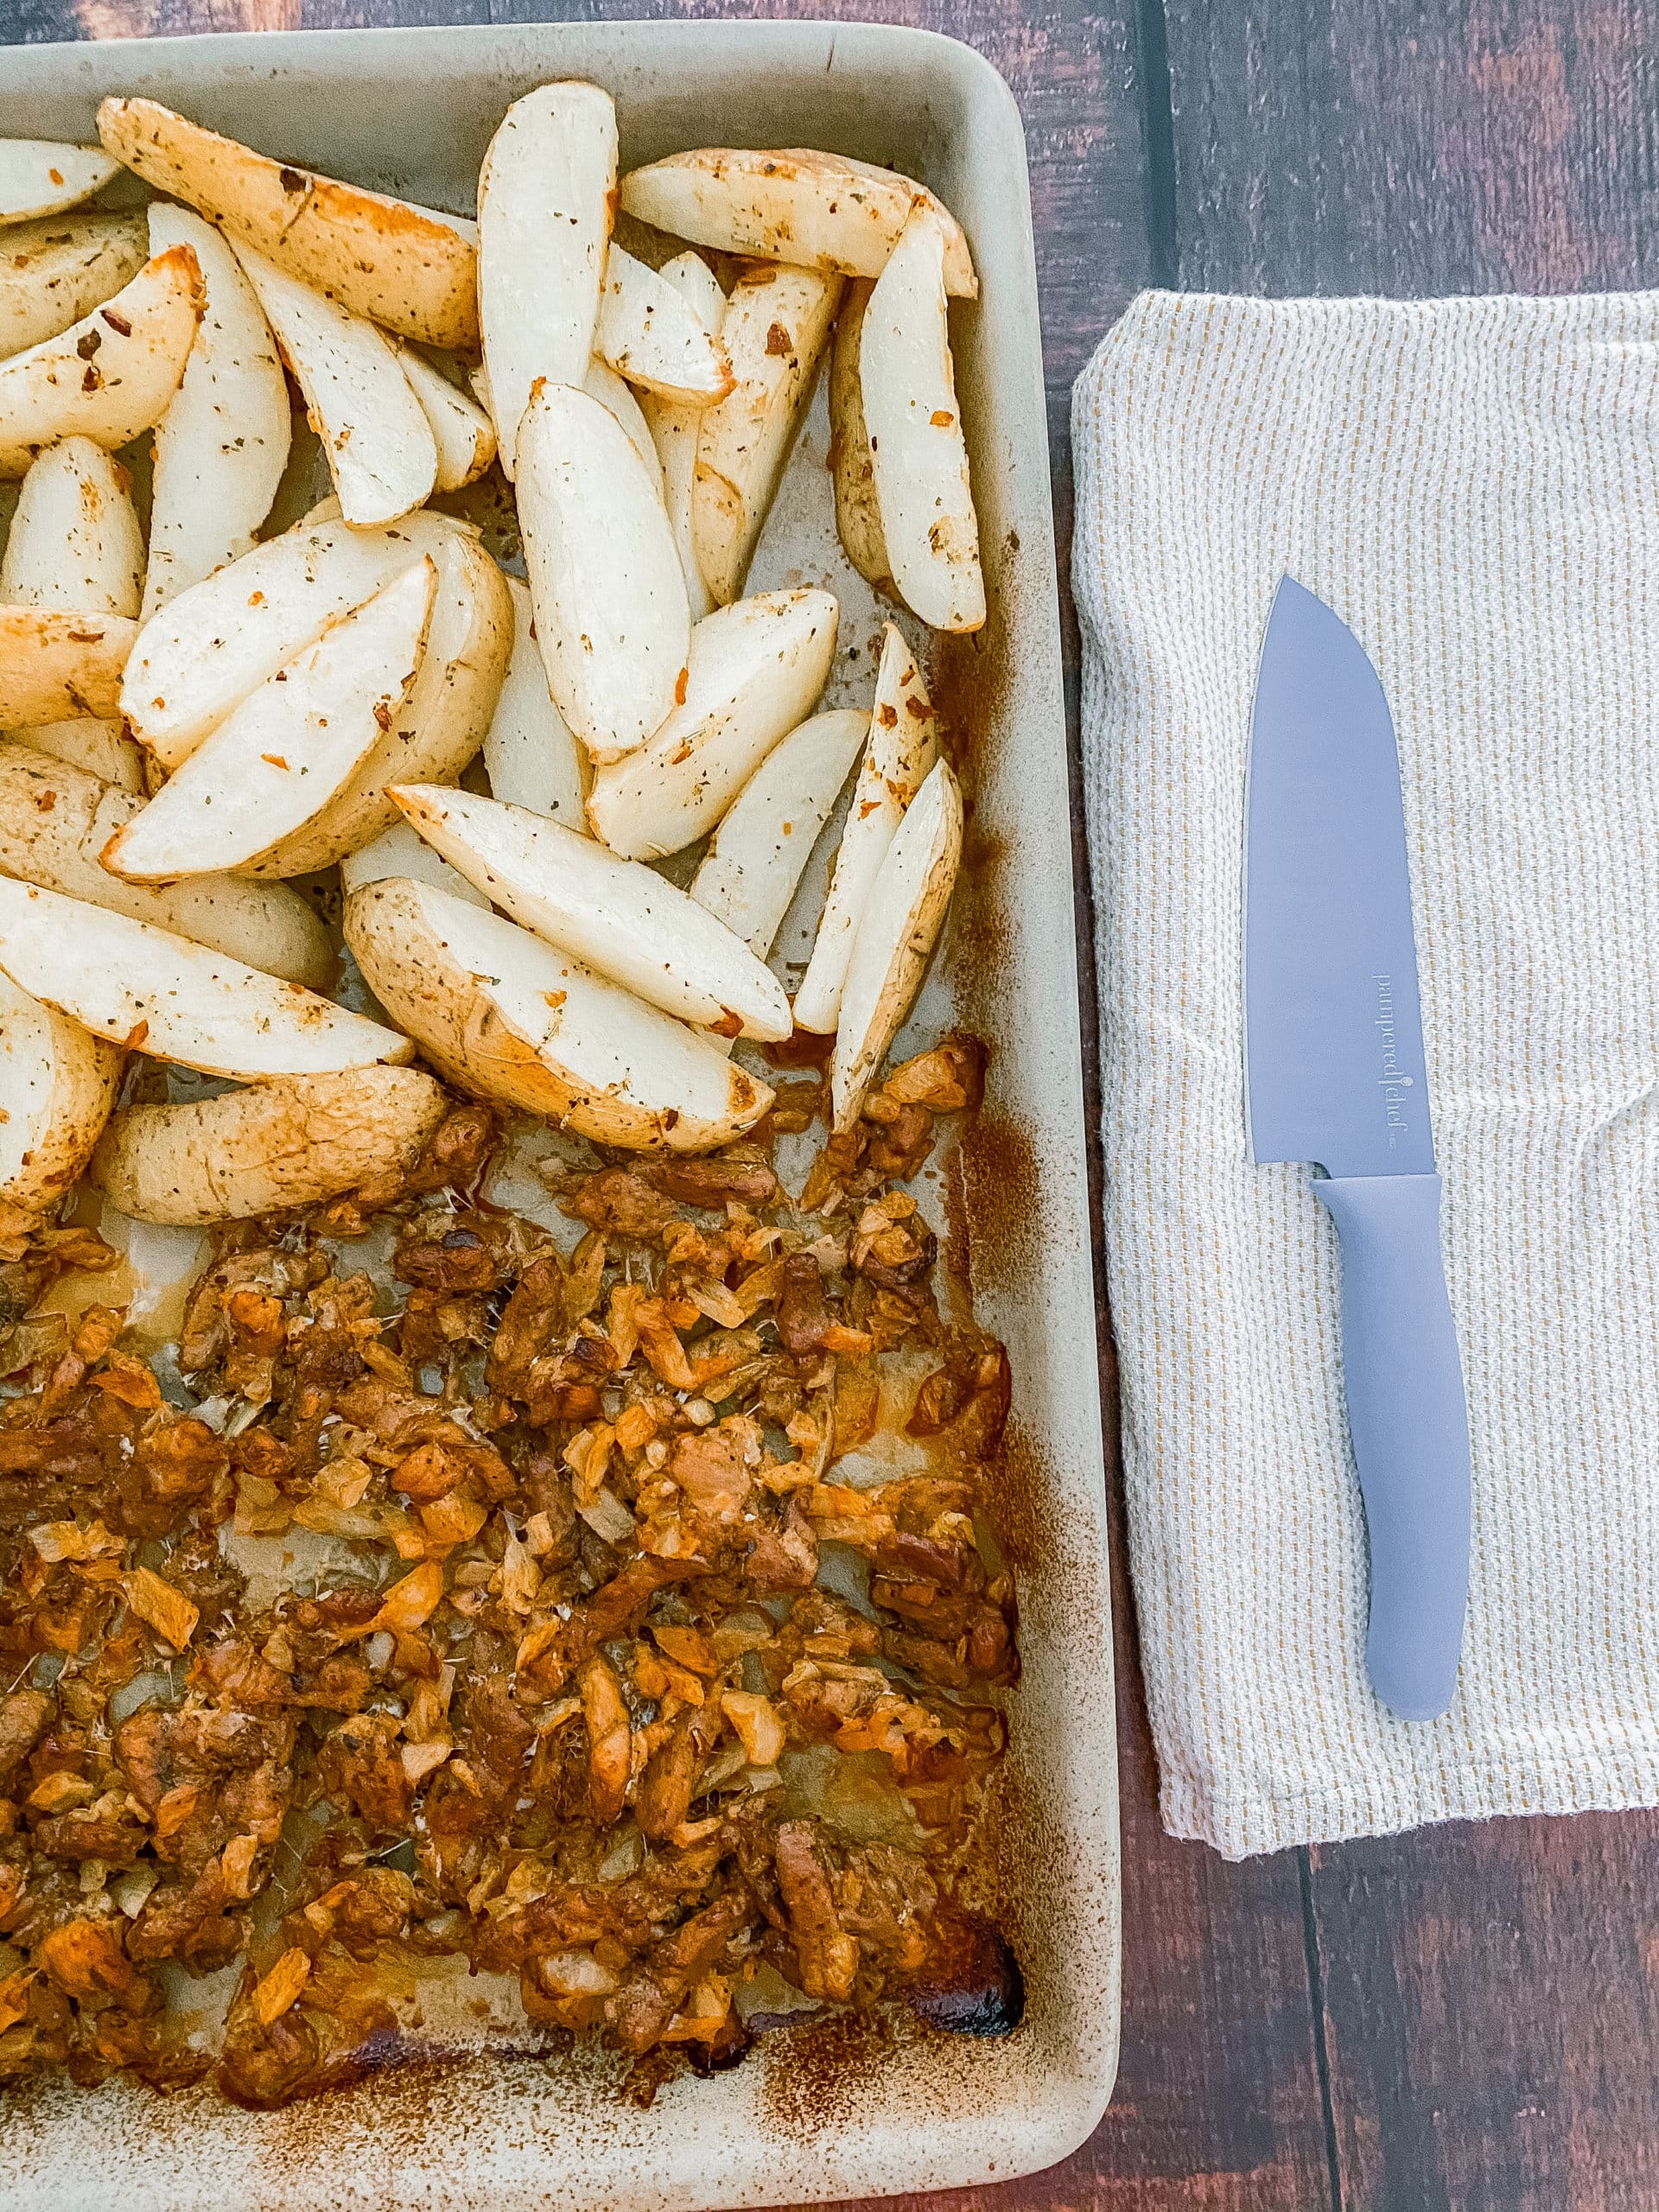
(1473, 485)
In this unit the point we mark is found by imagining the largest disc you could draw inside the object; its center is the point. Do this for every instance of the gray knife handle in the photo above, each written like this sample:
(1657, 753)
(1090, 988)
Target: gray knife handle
(1408, 1420)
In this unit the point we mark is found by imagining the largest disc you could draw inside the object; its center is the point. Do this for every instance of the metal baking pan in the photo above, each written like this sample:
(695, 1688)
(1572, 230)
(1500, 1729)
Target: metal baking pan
(817, 2113)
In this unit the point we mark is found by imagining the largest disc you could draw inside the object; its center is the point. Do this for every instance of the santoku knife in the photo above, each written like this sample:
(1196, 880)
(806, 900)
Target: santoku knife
(1334, 1050)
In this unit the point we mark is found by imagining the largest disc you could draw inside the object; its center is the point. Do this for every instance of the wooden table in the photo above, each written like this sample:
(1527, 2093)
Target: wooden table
(1461, 2018)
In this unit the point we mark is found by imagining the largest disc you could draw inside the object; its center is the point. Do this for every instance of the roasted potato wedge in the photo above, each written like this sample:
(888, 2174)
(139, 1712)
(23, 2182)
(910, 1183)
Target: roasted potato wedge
(53, 272)
(530, 756)
(774, 330)
(602, 383)
(378, 443)
(545, 197)
(858, 514)
(407, 267)
(43, 176)
(57, 1085)
(135, 985)
(54, 664)
(914, 423)
(202, 654)
(462, 433)
(288, 751)
(674, 425)
(755, 858)
(897, 932)
(401, 851)
(506, 1016)
(755, 670)
(904, 743)
(818, 211)
(75, 540)
(620, 919)
(443, 718)
(651, 332)
(611, 620)
(221, 446)
(109, 376)
(290, 1142)
(56, 819)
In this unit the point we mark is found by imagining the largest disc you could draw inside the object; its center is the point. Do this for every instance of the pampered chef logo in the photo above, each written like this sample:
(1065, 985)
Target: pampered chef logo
(1393, 1084)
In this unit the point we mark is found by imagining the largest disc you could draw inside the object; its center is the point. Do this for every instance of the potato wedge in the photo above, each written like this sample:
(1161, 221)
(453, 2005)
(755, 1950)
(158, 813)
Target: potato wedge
(818, 211)
(754, 671)
(401, 851)
(201, 655)
(273, 765)
(56, 819)
(653, 335)
(620, 919)
(43, 176)
(93, 744)
(904, 743)
(674, 426)
(53, 272)
(462, 433)
(775, 325)
(110, 375)
(57, 1085)
(136, 985)
(545, 197)
(221, 447)
(443, 719)
(611, 620)
(408, 267)
(529, 756)
(896, 935)
(75, 540)
(54, 664)
(602, 383)
(506, 1016)
(292, 1143)
(755, 858)
(381, 453)
(858, 515)
(914, 424)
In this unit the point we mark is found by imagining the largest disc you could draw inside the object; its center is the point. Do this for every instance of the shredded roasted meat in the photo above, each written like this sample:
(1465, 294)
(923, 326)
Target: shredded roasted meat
(624, 1659)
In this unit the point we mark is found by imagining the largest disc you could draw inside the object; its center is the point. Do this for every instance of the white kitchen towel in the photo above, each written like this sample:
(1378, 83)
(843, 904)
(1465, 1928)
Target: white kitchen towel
(1473, 485)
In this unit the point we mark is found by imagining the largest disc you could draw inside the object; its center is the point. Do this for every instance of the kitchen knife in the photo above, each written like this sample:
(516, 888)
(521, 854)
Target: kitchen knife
(1335, 1075)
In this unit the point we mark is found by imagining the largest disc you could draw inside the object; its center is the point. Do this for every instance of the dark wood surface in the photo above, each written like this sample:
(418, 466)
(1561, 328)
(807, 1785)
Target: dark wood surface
(1463, 2020)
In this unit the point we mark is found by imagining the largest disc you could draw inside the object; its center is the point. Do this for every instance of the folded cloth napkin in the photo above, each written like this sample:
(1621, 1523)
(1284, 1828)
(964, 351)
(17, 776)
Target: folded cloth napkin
(1473, 485)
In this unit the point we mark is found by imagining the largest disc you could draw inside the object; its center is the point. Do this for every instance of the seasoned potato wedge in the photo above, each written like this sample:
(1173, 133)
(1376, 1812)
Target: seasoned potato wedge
(57, 1085)
(54, 664)
(507, 1017)
(775, 327)
(53, 272)
(755, 669)
(620, 919)
(674, 425)
(283, 755)
(290, 1142)
(136, 985)
(203, 653)
(43, 176)
(653, 335)
(462, 432)
(93, 744)
(407, 267)
(56, 819)
(401, 851)
(530, 756)
(442, 721)
(819, 211)
(605, 579)
(926, 505)
(602, 383)
(897, 932)
(755, 858)
(221, 447)
(380, 446)
(110, 375)
(904, 743)
(545, 197)
(75, 540)
(858, 515)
